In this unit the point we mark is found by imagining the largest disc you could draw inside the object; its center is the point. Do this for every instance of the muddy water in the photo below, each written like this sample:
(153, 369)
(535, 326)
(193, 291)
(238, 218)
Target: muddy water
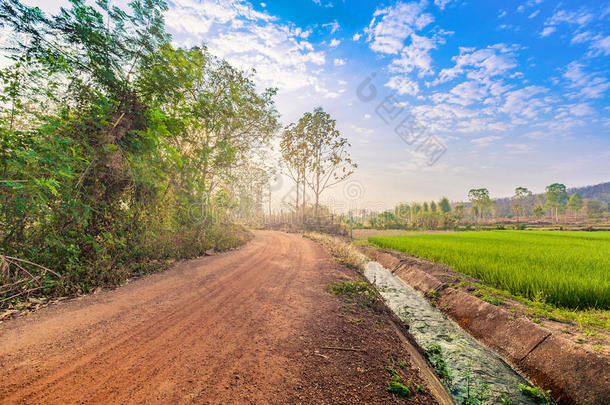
(462, 353)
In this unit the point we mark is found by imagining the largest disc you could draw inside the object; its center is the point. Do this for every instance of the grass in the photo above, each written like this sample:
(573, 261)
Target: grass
(587, 319)
(435, 355)
(569, 269)
(538, 395)
(344, 252)
(395, 385)
(358, 291)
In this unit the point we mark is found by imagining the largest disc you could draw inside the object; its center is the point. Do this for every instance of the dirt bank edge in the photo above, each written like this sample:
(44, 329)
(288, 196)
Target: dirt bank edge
(574, 375)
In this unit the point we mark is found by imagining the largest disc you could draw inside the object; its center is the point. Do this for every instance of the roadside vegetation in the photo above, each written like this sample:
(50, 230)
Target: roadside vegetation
(564, 269)
(119, 151)
(344, 252)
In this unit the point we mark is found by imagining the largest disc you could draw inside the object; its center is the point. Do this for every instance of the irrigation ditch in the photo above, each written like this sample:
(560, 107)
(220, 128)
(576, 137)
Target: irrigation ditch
(469, 369)
(484, 349)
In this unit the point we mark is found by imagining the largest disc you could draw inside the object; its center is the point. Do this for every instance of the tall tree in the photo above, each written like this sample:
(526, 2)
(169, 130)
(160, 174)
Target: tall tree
(459, 210)
(479, 197)
(329, 159)
(575, 203)
(432, 206)
(295, 156)
(556, 198)
(444, 205)
(521, 201)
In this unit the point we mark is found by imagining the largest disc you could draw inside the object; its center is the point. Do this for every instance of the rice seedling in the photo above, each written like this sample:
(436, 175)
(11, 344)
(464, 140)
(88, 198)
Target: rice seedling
(568, 269)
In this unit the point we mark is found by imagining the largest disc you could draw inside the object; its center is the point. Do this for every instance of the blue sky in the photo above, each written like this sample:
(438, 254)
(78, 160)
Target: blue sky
(517, 93)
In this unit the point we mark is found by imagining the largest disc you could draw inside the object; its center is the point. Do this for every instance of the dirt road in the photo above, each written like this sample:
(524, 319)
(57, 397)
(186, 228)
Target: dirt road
(251, 326)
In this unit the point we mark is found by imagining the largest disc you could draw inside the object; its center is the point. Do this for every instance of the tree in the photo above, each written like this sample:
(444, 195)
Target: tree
(425, 207)
(403, 211)
(538, 211)
(474, 212)
(575, 203)
(479, 197)
(521, 201)
(295, 156)
(594, 208)
(432, 206)
(556, 198)
(459, 210)
(444, 205)
(330, 161)
(416, 209)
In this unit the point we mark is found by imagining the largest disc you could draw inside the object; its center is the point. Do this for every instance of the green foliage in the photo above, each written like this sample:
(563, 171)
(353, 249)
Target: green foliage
(358, 290)
(556, 197)
(399, 389)
(395, 385)
(575, 203)
(521, 201)
(566, 269)
(480, 199)
(119, 150)
(538, 395)
(315, 155)
(435, 355)
(444, 205)
(474, 395)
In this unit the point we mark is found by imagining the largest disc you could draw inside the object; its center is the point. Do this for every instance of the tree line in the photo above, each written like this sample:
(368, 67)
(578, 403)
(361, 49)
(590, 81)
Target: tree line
(523, 206)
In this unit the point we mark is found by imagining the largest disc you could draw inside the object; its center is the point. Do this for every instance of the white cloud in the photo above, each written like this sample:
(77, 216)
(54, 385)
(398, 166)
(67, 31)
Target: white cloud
(588, 85)
(538, 134)
(519, 148)
(481, 64)
(546, 31)
(334, 26)
(502, 14)
(534, 14)
(280, 52)
(334, 42)
(522, 103)
(600, 45)
(581, 37)
(442, 3)
(580, 18)
(416, 55)
(403, 85)
(356, 37)
(339, 62)
(485, 140)
(390, 26)
(573, 17)
(580, 109)
(465, 93)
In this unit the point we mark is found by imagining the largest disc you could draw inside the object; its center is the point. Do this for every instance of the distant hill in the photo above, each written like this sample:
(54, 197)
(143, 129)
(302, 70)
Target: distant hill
(597, 192)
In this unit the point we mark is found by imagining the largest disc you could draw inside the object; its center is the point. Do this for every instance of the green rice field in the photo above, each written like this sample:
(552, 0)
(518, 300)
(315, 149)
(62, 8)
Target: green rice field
(565, 268)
